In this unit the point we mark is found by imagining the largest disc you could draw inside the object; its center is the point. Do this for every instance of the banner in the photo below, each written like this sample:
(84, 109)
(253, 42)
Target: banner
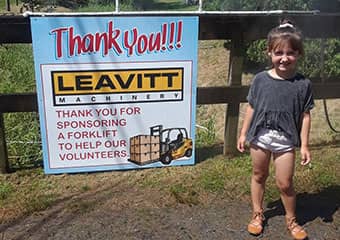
(115, 92)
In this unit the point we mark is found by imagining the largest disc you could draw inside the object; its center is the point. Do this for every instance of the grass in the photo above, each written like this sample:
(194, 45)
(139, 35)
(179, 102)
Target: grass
(3, 4)
(17, 68)
(5, 190)
(13, 6)
(184, 194)
(81, 206)
(230, 177)
(219, 177)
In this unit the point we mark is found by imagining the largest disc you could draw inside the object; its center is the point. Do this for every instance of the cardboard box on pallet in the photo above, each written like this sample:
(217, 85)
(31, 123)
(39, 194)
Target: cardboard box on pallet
(144, 139)
(144, 148)
(155, 155)
(144, 157)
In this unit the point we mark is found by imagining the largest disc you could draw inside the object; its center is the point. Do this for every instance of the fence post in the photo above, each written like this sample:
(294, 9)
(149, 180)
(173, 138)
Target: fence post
(4, 166)
(234, 79)
(8, 5)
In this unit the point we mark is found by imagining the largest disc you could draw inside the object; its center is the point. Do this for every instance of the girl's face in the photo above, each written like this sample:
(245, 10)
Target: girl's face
(284, 60)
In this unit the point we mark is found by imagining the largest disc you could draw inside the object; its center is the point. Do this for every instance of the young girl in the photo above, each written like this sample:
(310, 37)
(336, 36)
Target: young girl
(277, 121)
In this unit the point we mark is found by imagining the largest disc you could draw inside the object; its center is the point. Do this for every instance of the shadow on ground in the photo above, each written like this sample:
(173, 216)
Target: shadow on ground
(204, 153)
(310, 206)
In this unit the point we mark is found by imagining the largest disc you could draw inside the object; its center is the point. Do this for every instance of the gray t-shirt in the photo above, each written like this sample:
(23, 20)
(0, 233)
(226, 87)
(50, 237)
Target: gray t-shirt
(278, 104)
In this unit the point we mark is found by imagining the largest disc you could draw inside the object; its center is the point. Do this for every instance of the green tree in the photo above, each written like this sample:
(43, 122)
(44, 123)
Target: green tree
(310, 65)
(265, 5)
(72, 3)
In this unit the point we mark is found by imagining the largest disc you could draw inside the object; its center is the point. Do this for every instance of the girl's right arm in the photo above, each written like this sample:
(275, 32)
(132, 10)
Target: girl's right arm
(246, 123)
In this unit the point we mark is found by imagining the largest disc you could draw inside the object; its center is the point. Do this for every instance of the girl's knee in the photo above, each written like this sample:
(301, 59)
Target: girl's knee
(285, 186)
(260, 177)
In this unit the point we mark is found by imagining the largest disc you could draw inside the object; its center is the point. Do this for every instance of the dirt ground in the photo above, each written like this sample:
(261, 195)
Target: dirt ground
(117, 212)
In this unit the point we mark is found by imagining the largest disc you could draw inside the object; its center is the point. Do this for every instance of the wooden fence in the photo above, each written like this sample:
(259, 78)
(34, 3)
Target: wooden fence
(240, 28)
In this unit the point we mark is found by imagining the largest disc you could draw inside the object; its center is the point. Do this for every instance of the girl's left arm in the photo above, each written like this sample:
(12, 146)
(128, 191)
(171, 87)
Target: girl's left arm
(305, 129)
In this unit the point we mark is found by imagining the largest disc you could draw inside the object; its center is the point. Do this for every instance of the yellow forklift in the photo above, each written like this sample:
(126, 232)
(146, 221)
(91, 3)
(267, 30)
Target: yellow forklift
(174, 143)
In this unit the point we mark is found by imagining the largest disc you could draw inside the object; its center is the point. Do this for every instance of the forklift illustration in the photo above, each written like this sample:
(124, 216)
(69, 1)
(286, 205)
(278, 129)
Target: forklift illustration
(174, 143)
(162, 145)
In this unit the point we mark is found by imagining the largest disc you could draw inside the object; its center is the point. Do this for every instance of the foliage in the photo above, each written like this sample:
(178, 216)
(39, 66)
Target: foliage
(249, 5)
(97, 8)
(310, 65)
(265, 5)
(102, 2)
(332, 63)
(33, 2)
(256, 57)
(5, 190)
(72, 3)
(63, 3)
(205, 132)
(139, 5)
(105, 5)
(23, 140)
(22, 129)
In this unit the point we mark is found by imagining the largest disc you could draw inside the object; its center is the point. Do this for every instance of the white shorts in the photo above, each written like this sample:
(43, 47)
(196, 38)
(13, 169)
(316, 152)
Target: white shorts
(273, 141)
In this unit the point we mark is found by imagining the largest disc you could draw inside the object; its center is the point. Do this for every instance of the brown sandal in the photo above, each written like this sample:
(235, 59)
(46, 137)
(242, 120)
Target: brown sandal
(255, 227)
(295, 229)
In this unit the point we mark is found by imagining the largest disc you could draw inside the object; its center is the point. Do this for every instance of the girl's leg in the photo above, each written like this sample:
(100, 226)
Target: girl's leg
(260, 160)
(284, 172)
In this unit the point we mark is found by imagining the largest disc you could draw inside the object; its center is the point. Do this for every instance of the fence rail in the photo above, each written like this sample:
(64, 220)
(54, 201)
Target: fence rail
(27, 102)
(239, 28)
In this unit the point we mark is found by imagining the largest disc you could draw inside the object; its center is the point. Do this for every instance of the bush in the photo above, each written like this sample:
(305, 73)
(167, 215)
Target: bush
(310, 64)
(205, 130)
(250, 5)
(72, 3)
